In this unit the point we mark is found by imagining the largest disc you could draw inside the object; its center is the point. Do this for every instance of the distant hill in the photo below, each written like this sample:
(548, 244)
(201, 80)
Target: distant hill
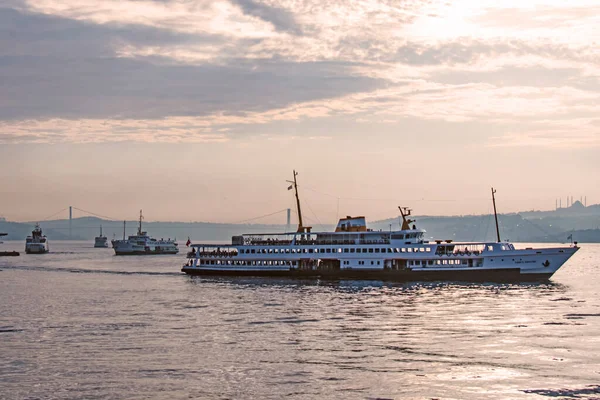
(528, 226)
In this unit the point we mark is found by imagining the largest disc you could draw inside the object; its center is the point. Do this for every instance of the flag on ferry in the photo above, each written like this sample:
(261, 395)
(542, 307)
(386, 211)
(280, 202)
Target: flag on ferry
(290, 187)
(570, 237)
(188, 242)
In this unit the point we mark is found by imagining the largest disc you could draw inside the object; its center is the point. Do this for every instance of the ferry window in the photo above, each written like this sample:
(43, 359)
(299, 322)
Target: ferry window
(403, 250)
(376, 250)
(503, 248)
(371, 262)
(316, 250)
(339, 250)
(310, 250)
(490, 248)
(346, 250)
(294, 263)
(422, 249)
(409, 249)
(351, 250)
(427, 249)
(444, 261)
(430, 262)
(370, 250)
(252, 251)
(270, 251)
(378, 262)
(328, 251)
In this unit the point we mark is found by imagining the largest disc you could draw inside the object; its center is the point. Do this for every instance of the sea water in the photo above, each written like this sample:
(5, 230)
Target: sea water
(81, 323)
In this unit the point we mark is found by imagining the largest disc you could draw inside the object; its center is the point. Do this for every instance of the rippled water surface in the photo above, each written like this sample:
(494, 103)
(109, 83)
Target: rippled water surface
(81, 323)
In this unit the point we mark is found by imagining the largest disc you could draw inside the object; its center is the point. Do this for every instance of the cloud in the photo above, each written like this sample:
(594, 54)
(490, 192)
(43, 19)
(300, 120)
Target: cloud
(282, 20)
(64, 68)
(183, 70)
(550, 135)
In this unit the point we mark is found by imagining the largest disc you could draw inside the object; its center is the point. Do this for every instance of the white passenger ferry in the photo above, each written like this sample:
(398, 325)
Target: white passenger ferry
(37, 243)
(101, 241)
(355, 252)
(142, 244)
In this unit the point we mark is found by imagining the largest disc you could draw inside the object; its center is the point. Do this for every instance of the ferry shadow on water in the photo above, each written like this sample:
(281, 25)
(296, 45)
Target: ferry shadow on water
(352, 285)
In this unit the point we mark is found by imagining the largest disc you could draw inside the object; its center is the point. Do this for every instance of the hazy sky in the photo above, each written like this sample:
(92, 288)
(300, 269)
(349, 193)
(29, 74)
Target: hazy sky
(199, 110)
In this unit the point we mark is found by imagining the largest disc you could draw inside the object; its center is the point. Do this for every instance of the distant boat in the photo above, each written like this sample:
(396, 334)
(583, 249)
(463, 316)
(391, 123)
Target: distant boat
(37, 243)
(7, 253)
(101, 241)
(142, 244)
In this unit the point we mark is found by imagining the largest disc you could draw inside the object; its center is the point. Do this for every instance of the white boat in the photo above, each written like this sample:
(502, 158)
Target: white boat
(142, 244)
(37, 243)
(101, 241)
(355, 252)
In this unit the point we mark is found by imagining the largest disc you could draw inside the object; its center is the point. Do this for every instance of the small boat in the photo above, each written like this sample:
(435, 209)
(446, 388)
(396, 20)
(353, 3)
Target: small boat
(142, 244)
(7, 253)
(355, 252)
(37, 243)
(101, 241)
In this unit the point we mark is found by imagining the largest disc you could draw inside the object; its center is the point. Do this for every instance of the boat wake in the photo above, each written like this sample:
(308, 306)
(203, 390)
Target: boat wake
(90, 271)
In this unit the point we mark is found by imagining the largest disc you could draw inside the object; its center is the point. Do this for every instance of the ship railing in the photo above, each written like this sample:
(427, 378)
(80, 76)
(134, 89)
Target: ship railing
(267, 242)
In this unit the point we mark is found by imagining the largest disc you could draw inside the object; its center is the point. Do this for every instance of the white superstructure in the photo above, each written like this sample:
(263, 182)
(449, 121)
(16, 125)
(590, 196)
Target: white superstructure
(37, 243)
(354, 251)
(142, 244)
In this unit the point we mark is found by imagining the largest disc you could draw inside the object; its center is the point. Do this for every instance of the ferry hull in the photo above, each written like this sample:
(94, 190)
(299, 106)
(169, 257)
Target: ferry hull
(482, 275)
(36, 249)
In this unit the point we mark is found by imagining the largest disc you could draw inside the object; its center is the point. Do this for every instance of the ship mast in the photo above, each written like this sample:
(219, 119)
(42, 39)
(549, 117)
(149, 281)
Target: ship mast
(496, 215)
(301, 227)
(405, 212)
(140, 227)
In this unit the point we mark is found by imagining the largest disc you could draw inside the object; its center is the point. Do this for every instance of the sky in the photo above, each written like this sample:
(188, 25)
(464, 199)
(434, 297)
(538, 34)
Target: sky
(200, 110)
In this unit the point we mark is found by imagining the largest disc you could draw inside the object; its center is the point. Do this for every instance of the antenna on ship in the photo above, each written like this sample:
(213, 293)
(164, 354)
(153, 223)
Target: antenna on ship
(294, 184)
(124, 223)
(495, 215)
(140, 227)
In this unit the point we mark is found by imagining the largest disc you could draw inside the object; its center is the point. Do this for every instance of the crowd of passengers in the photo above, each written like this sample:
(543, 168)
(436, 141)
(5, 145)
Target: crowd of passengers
(308, 242)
